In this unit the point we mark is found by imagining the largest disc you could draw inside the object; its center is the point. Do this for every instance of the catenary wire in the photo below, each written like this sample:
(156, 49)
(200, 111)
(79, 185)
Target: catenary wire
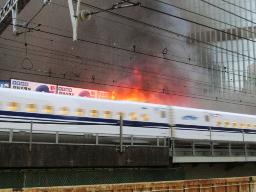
(157, 28)
(235, 5)
(201, 15)
(131, 69)
(172, 32)
(130, 50)
(137, 52)
(230, 12)
(164, 77)
(194, 96)
(166, 30)
(194, 22)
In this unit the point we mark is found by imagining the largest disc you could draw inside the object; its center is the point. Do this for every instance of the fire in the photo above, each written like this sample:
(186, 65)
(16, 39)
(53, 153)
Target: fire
(147, 97)
(135, 93)
(138, 92)
(131, 95)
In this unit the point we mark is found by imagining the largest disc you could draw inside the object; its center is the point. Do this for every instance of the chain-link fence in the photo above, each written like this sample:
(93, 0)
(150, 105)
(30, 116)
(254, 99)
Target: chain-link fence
(70, 177)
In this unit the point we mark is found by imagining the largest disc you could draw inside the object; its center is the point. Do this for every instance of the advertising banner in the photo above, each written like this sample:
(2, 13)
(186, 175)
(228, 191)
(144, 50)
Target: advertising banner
(58, 89)
(32, 86)
(64, 90)
(4, 84)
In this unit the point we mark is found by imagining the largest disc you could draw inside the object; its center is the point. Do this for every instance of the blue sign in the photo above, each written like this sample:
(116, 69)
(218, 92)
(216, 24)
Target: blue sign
(189, 117)
(4, 84)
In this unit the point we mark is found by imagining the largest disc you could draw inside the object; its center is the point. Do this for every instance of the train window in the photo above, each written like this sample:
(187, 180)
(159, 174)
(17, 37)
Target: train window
(94, 113)
(48, 109)
(119, 114)
(64, 110)
(31, 108)
(13, 106)
(227, 123)
(163, 114)
(219, 123)
(80, 112)
(242, 125)
(249, 125)
(207, 118)
(145, 117)
(254, 125)
(235, 124)
(133, 116)
(107, 114)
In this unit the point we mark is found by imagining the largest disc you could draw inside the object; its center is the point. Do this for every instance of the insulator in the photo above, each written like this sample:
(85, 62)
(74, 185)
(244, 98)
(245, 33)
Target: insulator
(84, 15)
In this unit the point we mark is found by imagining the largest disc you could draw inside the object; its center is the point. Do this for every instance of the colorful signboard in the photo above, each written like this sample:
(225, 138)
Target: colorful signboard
(64, 90)
(32, 86)
(58, 89)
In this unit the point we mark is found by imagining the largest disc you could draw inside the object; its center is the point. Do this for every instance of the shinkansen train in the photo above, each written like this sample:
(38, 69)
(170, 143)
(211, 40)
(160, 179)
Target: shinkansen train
(52, 113)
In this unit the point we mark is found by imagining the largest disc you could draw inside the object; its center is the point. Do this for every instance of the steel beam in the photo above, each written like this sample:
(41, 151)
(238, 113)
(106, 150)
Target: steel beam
(9, 12)
(74, 16)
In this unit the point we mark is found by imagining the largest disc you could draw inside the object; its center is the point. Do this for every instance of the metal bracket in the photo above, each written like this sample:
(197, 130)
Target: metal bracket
(14, 18)
(10, 7)
(74, 16)
(9, 13)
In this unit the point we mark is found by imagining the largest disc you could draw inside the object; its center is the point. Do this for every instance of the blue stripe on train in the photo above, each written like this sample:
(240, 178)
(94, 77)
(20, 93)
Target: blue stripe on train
(205, 128)
(60, 118)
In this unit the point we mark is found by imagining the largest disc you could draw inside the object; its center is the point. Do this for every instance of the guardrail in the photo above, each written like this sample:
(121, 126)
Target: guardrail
(215, 149)
(189, 151)
(32, 136)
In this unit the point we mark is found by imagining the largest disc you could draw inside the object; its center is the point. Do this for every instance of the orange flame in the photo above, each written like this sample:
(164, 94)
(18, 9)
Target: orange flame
(132, 95)
(137, 94)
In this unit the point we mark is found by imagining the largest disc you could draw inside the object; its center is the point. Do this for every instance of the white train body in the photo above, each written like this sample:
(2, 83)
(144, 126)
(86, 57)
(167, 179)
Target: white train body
(93, 116)
(190, 123)
(96, 116)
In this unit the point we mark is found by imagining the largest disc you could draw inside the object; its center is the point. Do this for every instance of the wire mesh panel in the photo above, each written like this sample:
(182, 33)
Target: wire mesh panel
(70, 177)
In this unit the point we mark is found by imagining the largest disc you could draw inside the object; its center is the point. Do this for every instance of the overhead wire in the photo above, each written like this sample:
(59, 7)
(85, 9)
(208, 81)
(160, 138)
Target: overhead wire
(227, 11)
(194, 22)
(175, 33)
(112, 47)
(172, 32)
(121, 68)
(194, 96)
(151, 73)
(172, 38)
(201, 15)
(234, 4)
(121, 16)
(131, 69)
(151, 26)
(138, 52)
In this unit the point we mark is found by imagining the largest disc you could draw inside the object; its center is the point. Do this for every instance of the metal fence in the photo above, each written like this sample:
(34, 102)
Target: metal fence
(240, 143)
(19, 179)
(36, 136)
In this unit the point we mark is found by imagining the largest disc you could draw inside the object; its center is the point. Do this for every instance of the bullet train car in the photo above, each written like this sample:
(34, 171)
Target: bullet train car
(60, 113)
(190, 123)
(51, 112)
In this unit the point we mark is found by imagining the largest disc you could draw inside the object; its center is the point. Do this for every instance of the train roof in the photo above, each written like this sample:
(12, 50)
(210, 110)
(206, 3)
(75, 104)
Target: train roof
(213, 111)
(24, 92)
